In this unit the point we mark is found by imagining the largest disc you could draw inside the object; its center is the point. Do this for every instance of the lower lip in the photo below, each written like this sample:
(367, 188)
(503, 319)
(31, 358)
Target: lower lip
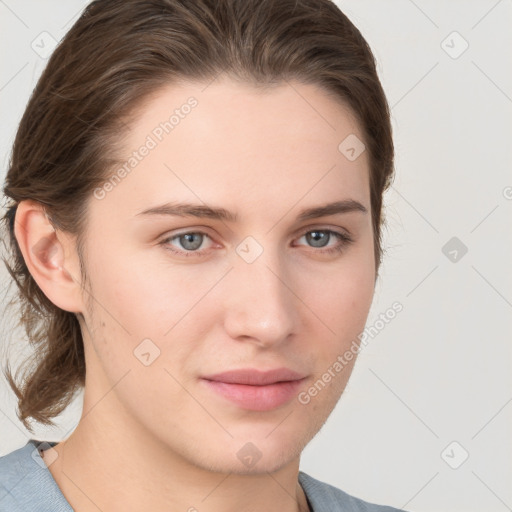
(257, 398)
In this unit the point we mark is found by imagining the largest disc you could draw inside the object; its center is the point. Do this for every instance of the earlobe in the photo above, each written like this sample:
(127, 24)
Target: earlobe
(49, 255)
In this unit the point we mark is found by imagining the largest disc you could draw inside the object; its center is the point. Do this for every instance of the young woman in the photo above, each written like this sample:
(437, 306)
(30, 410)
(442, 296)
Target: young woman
(195, 212)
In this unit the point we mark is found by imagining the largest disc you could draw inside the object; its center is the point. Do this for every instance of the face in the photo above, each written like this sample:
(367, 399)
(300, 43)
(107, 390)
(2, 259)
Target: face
(242, 281)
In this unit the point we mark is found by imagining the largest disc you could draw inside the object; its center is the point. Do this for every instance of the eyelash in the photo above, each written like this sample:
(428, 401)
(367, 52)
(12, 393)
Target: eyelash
(344, 241)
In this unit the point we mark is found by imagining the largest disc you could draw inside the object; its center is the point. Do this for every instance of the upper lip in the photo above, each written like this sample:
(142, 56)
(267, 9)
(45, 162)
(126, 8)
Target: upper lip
(255, 377)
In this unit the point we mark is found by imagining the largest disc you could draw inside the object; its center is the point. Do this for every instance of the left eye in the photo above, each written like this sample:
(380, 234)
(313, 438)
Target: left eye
(191, 241)
(320, 237)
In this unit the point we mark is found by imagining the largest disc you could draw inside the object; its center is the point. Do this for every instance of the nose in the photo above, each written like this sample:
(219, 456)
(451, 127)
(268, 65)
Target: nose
(259, 304)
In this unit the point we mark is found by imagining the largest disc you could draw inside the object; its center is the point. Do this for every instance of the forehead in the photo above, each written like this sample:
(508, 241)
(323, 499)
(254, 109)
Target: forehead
(227, 141)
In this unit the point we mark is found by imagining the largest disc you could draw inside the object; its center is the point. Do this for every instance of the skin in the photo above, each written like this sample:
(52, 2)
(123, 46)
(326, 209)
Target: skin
(155, 437)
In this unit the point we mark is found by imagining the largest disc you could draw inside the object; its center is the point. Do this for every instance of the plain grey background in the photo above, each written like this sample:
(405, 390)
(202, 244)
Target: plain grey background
(425, 421)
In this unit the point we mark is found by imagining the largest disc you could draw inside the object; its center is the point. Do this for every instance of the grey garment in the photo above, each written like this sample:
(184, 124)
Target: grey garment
(323, 497)
(26, 485)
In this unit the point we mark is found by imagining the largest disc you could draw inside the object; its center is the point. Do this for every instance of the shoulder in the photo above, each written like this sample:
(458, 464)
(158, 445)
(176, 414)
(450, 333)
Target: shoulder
(325, 497)
(26, 483)
(13, 469)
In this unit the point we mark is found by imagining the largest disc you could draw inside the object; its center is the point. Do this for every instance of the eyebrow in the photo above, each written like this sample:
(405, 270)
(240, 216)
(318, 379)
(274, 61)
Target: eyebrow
(211, 212)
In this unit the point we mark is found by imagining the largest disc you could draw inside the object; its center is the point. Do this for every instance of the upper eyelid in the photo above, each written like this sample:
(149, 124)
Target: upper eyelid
(305, 229)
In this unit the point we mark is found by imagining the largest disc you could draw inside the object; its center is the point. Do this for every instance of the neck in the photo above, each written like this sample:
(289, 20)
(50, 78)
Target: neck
(116, 466)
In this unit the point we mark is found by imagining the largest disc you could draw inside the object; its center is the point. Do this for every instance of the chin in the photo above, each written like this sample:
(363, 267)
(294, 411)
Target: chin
(248, 458)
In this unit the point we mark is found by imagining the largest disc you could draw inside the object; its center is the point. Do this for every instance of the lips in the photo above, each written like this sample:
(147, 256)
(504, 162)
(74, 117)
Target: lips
(254, 377)
(256, 390)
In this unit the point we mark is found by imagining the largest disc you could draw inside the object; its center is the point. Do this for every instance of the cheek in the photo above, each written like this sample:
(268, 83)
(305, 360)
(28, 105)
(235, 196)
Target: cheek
(342, 298)
(148, 311)
(341, 305)
(143, 293)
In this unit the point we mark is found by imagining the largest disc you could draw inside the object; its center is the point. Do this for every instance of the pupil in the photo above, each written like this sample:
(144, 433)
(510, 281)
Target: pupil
(318, 236)
(189, 243)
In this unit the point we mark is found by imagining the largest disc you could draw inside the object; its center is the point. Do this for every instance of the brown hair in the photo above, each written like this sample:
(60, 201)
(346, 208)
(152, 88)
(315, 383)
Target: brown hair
(116, 54)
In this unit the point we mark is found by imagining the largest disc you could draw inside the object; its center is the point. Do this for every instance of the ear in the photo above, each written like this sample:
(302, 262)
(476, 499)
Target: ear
(50, 256)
